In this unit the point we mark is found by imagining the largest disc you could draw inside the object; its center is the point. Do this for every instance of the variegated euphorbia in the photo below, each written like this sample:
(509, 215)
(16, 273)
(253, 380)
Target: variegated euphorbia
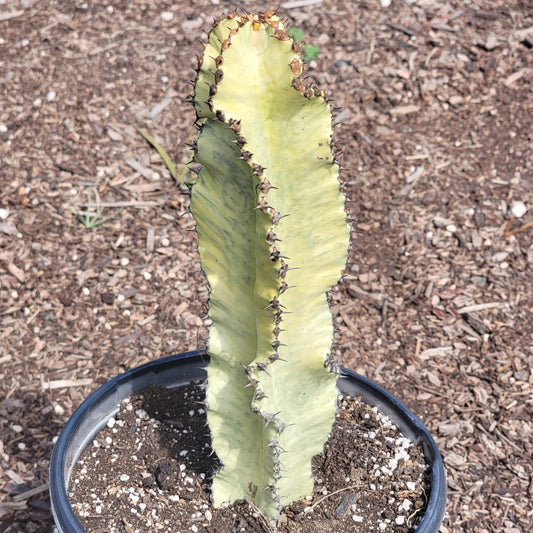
(272, 239)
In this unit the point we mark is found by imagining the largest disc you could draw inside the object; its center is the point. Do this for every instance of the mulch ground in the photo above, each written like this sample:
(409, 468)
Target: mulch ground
(434, 120)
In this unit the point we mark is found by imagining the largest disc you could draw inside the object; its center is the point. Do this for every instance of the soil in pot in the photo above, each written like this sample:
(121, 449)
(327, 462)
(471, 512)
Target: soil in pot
(149, 470)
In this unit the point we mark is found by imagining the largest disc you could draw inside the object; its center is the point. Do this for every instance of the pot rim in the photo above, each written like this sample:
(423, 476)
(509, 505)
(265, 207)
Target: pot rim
(187, 367)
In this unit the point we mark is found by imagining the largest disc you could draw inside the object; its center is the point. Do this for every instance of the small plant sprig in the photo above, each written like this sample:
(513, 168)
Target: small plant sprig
(92, 216)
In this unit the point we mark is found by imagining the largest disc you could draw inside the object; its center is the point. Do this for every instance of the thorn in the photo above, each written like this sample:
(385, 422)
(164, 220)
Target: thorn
(281, 35)
(296, 48)
(269, 417)
(247, 156)
(274, 304)
(219, 74)
(252, 383)
(220, 115)
(271, 238)
(265, 186)
(225, 45)
(275, 357)
(282, 426)
(240, 141)
(213, 90)
(259, 395)
(298, 85)
(276, 217)
(296, 66)
(258, 171)
(283, 269)
(235, 125)
(263, 205)
(263, 367)
(247, 369)
(274, 443)
(275, 255)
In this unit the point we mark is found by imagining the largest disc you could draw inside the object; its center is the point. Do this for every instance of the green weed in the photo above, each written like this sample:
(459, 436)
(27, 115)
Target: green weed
(92, 216)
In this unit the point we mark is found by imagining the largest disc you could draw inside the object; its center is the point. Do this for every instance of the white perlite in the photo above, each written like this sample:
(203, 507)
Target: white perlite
(167, 16)
(518, 209)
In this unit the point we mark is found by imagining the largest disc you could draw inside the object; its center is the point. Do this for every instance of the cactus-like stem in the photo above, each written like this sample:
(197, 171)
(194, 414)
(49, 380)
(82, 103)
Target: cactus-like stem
(272, 240)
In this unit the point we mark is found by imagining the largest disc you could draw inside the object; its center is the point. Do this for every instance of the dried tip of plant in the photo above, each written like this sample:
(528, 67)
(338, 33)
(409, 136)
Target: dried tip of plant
(235, 125)
(296, 66)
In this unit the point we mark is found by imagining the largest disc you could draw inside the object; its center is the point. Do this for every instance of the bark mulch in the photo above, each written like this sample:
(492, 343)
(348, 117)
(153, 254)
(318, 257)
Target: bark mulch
(434, 120)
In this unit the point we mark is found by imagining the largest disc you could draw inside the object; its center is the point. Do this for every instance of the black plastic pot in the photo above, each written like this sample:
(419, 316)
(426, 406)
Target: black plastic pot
(93, 414)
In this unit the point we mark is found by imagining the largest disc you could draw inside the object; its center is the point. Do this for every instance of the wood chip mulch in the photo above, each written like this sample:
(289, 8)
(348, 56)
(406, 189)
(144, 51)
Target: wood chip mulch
(435, 122)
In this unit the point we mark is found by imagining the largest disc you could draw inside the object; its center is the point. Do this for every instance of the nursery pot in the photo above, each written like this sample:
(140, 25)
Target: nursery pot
(176, 370)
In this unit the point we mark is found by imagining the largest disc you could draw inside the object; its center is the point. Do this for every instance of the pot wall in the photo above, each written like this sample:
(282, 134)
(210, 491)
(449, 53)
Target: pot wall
(93, 414)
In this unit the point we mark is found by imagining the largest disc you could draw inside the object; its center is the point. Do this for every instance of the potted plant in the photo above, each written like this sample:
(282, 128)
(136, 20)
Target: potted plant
(273, 240)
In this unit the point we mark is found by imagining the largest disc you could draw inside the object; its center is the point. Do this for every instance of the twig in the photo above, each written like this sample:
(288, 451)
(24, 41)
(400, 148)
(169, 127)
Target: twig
(143, 171)
(65, 383)
(159, 108)
(332, 494)
(479, 307)
(402, 29)
(261, 515)
(300, 3)
(29, 493)
(417, 385)
(510, 233)
(435, 351)
(125, 203)
(11, 15)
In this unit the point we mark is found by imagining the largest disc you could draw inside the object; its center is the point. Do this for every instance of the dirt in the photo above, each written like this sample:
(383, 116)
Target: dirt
(434, 120)
(150, 470)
